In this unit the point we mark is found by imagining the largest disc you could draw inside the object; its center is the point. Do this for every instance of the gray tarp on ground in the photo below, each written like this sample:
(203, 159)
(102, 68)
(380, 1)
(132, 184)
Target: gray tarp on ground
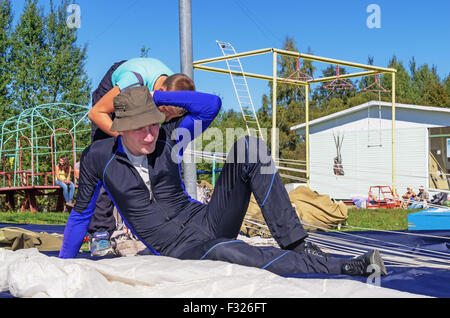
(14, 238)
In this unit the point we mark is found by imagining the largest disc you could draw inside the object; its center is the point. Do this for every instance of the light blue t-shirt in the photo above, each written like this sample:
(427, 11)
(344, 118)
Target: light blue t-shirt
(138, 72)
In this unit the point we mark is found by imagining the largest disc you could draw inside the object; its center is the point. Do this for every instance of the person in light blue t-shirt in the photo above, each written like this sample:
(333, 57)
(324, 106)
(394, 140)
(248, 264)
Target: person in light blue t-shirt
(148, 72)
(140, 72)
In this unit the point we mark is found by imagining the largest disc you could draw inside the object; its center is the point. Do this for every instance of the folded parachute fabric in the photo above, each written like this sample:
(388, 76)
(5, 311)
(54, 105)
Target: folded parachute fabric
(315, 211)
(15, 238)
(318, 211)
(29, 273)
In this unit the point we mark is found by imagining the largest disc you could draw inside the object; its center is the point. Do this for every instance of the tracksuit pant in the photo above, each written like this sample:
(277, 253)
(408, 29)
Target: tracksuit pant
(250, 169)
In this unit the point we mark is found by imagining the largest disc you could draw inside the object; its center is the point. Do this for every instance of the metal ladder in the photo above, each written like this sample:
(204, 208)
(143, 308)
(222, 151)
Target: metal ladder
(241, 90)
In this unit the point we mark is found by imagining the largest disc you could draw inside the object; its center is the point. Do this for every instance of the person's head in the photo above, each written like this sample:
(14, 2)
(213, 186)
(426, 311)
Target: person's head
(160, 68)
(177, 82)
(159, 83)
(421, 188)
(63, 163)
(141, 141)
(137, 120)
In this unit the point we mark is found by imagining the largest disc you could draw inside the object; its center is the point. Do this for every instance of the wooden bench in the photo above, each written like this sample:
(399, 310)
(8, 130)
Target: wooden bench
(30, 192)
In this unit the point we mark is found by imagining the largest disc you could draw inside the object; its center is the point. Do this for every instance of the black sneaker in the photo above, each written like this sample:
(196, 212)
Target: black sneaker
(310, 248)
(365, 265)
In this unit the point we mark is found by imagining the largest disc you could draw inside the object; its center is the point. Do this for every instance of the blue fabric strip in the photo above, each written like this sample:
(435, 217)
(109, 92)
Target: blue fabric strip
(268, 264)
(218, 244)
(104, 170)
(270, 187)
(120, 146)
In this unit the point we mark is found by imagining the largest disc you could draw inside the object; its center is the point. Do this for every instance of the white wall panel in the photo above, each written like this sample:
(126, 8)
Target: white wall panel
(367, 160)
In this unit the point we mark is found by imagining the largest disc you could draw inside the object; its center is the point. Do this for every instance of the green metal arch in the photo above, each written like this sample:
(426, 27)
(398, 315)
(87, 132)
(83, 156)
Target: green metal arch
(38, 124)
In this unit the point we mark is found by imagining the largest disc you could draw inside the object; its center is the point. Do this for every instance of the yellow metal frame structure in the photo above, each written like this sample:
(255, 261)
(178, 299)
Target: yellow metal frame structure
(367, 70)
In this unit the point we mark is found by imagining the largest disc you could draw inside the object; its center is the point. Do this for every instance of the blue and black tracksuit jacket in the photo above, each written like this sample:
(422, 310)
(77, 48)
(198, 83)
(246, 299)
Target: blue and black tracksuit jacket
(173, 224)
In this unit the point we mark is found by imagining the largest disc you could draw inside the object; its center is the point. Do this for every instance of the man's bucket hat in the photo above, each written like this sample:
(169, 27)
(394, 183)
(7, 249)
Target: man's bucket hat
(134, 108)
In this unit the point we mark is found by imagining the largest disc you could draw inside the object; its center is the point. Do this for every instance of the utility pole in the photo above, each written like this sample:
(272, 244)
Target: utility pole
(186, 61)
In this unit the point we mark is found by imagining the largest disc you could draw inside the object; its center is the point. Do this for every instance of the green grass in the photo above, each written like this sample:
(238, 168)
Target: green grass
(45, 218)
(381, 219)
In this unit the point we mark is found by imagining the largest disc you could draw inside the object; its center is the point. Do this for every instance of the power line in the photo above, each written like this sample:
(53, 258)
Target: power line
(120, 16)
(261, 27)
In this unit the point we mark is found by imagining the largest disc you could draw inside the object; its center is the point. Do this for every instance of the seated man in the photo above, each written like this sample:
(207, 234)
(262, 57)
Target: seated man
(140, 171)
(421, 200)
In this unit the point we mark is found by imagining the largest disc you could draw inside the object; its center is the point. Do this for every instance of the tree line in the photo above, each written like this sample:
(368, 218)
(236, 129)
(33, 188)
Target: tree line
(41, 62)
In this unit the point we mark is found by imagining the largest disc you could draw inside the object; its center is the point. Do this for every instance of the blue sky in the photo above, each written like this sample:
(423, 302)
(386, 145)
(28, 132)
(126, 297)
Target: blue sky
(116, 30)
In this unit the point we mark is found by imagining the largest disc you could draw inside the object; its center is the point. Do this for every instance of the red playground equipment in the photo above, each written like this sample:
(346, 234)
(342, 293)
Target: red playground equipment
(382, 197)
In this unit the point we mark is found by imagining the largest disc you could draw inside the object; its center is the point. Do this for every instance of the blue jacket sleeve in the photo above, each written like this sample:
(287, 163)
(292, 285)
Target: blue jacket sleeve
(75, 231)
(202, 109)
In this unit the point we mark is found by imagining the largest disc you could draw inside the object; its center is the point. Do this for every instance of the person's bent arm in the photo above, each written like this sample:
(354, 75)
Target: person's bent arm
(99, 113)
(201, 107)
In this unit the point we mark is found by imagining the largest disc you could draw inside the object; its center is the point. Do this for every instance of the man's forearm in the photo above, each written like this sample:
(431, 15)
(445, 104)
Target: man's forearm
(199, 104)
(201, 107)
(99, 114)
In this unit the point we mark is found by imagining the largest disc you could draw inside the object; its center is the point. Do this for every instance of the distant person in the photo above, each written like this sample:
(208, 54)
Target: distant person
(421, 200)
(407, 198)
(62, 175)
